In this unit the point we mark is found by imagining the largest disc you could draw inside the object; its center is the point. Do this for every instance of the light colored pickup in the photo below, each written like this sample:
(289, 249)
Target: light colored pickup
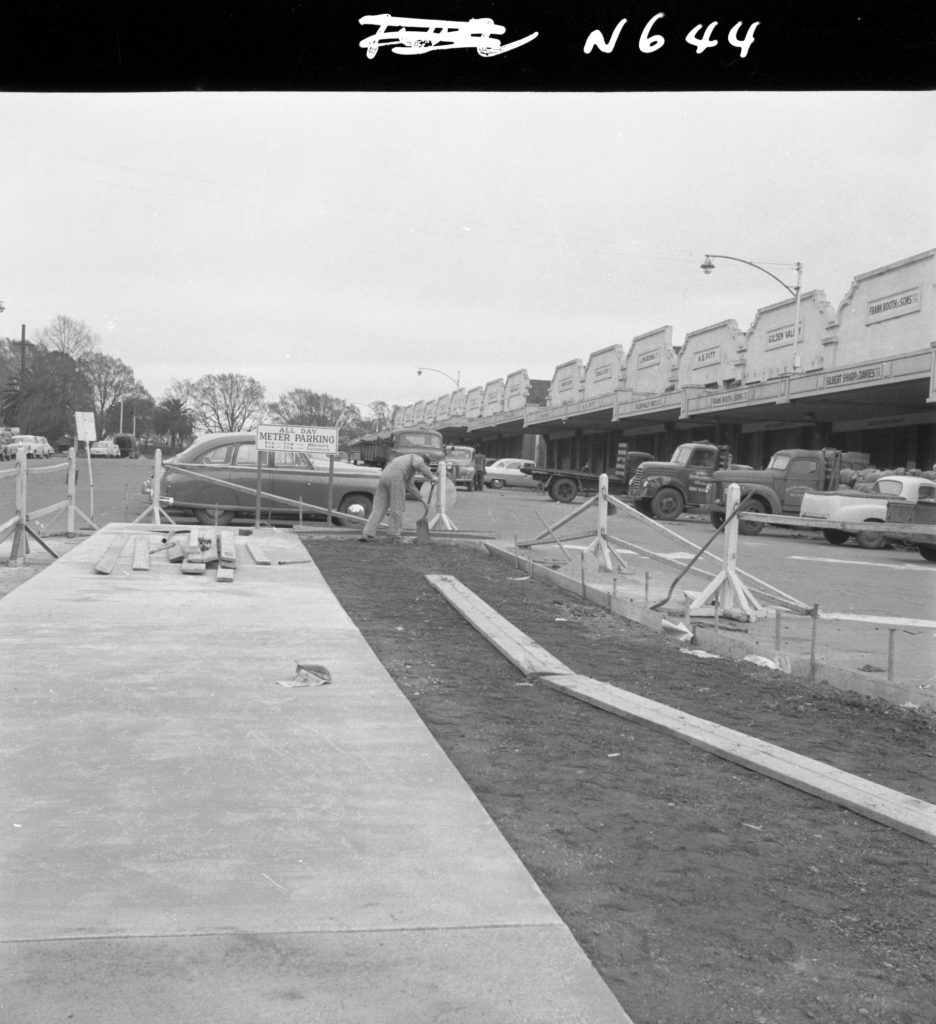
(845, 507)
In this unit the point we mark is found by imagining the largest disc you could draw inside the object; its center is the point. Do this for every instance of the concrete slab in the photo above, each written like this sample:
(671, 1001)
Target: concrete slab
(187, 840)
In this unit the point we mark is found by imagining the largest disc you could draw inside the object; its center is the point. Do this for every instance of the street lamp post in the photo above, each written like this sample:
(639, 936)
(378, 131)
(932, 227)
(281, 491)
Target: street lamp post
(455, 380)
(707, 266)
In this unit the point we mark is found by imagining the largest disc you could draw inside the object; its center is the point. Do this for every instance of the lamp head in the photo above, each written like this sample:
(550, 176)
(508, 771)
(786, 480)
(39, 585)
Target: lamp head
(707, 266)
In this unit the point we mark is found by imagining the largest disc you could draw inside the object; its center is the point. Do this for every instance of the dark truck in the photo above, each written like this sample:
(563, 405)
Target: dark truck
(778, 490)
(664, 490)
(378, 449)
(566, 484)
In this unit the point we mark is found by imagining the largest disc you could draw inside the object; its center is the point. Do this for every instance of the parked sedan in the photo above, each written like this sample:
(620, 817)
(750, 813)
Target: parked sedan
(104, 450)
(509, 473)
(198, 481)
(35, 447)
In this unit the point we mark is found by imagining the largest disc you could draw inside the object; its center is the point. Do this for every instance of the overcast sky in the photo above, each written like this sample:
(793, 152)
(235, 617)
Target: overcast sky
(339, 241)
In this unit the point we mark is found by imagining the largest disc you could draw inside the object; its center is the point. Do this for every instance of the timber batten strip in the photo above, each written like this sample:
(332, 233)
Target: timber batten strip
(887, 806)
(105, 564)
(141, 553)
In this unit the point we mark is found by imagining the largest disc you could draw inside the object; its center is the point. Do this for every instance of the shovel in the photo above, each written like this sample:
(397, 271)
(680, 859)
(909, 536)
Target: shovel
(422, 525)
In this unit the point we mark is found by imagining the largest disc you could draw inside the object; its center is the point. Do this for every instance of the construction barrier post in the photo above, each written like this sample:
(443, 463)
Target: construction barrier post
(72, 492)
(20, 544)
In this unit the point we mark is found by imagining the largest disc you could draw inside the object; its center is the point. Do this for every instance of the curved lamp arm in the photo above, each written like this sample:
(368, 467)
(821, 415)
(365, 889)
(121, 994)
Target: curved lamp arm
(708, 266)
(455, 380)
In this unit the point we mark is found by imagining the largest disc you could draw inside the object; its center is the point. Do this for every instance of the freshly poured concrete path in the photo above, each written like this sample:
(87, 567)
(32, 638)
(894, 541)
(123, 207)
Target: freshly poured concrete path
(184, 840)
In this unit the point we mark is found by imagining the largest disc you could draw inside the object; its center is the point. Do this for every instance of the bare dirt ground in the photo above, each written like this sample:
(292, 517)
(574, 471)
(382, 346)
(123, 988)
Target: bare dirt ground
(703, 892)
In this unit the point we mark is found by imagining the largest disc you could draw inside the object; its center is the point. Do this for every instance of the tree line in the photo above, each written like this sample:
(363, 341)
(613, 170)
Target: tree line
(61, 371)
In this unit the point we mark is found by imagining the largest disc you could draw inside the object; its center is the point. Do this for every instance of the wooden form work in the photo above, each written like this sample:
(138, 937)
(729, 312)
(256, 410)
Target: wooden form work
(887, 806)
(192, 550)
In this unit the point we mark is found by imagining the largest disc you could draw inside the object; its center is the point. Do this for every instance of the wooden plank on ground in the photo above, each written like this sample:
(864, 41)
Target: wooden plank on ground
(227, 551)
(523, 651)
(141, 553)
(257, 553)
(887, 806)
(225, 573)
(105, 564)
(175, 550)
(193, 551)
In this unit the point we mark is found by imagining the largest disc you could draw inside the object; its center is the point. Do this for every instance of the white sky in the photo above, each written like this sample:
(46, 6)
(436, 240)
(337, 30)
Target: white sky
(338, 241)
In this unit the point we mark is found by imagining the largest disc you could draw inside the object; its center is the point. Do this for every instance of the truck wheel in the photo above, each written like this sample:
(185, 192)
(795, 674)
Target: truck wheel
(869, 540)
(644, 507)
(716, 519)
(928, 551)
(752, 505)
(355, 505)
(563, 490)
(836, 536)
(667, 504)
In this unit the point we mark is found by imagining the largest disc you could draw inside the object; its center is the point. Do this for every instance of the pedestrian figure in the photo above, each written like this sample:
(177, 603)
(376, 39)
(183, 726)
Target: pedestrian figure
(395, 482)
(479, 471)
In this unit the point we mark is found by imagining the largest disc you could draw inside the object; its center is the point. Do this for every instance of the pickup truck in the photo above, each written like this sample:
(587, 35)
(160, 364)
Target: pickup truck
(917, 523)
(856, 506)
(778, 490)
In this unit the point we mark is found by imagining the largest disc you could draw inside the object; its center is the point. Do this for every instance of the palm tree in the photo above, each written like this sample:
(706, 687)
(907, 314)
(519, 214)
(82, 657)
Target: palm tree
(173, 421)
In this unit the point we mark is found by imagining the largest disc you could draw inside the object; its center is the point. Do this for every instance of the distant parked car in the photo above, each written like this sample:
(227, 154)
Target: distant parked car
(509, 473)
(105, 450)
(459, 465)
(35, 447)
(220, 459)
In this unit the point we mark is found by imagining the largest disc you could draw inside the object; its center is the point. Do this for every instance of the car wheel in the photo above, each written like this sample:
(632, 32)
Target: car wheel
(354, 505)
(716, 519)
(496, 484)
(836, 536)
(207, 516)
(667, 504)
(928, 551)
(869, 540)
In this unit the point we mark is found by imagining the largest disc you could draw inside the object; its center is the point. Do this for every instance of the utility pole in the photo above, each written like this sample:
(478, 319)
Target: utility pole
(22, 382)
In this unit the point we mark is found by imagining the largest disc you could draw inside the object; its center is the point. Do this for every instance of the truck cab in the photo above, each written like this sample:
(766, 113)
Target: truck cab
(664, 490)
(778, 489)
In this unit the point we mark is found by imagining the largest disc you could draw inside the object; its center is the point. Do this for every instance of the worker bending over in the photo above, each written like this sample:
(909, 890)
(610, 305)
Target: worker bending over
(396, 481)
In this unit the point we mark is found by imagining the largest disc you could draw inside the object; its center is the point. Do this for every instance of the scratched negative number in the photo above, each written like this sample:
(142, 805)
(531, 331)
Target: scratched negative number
(410, 36)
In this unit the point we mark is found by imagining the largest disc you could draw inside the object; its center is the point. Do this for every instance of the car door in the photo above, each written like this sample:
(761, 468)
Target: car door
(298, 477)
(244, 472)
(801, 475)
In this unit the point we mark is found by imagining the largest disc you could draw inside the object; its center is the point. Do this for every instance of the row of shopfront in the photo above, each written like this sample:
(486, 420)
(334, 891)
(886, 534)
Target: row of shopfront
(860, 377)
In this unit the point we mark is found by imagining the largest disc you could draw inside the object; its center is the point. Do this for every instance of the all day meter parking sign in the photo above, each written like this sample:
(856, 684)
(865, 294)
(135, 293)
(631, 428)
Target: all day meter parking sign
(279, 437)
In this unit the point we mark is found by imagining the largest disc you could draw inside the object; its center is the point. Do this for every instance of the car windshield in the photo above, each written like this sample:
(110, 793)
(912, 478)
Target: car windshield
(460, 454)
(418, 439)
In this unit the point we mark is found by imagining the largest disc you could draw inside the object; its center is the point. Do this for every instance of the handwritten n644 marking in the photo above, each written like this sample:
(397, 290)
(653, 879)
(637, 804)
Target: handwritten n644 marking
(409, 36)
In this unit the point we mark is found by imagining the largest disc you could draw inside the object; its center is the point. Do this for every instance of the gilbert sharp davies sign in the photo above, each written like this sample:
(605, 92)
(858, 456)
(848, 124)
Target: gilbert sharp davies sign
(279, 437)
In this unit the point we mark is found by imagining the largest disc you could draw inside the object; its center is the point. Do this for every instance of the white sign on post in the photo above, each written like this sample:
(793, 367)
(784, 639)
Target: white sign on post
(84, 427)
(280, 437)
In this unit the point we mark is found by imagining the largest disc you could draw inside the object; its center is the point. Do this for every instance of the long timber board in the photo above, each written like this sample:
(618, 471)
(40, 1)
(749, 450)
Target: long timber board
(887, 806)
